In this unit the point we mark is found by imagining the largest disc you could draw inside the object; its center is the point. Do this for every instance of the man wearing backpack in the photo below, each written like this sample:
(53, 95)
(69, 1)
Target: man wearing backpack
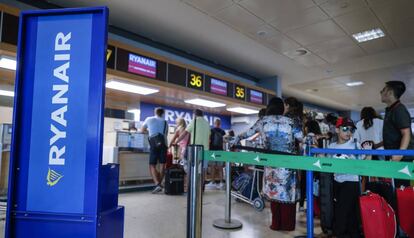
(157, 128)
(216, 143)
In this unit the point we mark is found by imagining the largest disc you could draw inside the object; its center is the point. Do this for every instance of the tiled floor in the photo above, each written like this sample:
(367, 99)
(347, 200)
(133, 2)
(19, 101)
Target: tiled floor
(156, 216)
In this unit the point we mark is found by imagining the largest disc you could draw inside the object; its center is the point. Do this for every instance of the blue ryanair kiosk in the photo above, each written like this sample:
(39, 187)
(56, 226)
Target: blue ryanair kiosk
(58, 185)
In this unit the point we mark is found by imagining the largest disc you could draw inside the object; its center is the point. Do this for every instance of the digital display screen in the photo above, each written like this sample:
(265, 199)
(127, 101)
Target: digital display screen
(142, 66)
(256, 96)
(240, 92)
(177, 75)
(110, 57)
(218, 86)
(195, 80)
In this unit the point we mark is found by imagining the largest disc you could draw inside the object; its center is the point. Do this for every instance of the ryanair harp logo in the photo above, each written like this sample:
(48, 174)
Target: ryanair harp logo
(53, 177)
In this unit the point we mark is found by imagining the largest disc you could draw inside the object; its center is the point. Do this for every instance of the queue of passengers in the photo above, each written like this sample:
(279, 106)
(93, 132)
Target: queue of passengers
(283, 127)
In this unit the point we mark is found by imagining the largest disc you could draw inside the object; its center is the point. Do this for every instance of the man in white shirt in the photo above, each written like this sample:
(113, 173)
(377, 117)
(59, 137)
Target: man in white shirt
(157, 126)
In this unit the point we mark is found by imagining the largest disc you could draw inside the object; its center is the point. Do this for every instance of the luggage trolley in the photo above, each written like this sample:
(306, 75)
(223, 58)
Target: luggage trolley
(246, 188)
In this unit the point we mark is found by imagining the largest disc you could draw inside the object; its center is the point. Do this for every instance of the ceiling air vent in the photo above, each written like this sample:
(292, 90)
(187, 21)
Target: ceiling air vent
(296, 53)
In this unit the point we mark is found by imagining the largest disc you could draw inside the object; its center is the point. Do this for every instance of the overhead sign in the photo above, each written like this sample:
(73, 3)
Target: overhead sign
(240, 92)
(218, 86)
(172, 113)
(195, 80)
(142, 65)
(256, 96)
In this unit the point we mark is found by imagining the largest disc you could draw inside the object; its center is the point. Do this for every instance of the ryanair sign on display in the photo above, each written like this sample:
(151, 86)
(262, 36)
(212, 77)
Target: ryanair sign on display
(172, 113)
(59, 116)
(58, 186)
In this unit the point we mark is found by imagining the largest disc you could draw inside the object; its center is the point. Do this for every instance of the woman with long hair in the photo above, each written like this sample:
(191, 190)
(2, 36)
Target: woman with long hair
(294, 110)
(313, 134)
(183, 142)
(369, 128)
(280, 184)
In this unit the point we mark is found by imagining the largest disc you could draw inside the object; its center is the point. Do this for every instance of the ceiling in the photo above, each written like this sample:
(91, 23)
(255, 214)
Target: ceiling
(261, 38)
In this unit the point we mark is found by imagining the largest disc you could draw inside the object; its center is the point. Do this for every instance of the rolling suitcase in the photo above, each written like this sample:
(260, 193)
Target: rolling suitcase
(169, 160)
(326, 202)
(378, 217)
(174, 181)
(384, 189)
(405, 211)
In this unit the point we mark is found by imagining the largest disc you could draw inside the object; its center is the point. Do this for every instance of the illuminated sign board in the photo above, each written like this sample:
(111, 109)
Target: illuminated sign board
(240, 92)
(256, 96)
(142, 66)
(218, 86)
(195, 80)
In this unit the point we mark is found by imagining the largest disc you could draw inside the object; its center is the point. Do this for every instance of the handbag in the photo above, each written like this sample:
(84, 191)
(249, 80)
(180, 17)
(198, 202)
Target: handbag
(157, 141)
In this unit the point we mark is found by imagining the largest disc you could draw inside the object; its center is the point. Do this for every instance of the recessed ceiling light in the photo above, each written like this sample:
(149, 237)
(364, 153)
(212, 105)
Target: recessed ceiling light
(204, 103)
(242, 110)
(369, 35)
(300, 52)
(261, 33)
(6, 93)
(8, 62)
(131, 88)
(354, 84)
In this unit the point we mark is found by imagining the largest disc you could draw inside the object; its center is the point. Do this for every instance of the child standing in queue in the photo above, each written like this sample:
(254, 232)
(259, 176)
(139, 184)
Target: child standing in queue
(346, 186)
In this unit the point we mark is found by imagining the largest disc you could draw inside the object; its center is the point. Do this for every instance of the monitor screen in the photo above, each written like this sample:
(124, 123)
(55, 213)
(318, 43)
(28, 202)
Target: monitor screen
(141, 65)
(218, 87)
(256, 96)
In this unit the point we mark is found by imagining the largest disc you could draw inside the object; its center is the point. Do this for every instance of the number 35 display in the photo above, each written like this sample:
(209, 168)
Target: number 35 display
(195, 80)
(240, 92)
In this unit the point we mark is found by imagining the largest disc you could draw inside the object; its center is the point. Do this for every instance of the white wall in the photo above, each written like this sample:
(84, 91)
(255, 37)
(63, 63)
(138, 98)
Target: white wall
(242, 127)
(6, 115)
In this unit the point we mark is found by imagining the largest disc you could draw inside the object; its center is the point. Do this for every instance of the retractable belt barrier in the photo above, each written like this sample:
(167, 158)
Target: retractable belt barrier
(387, 169)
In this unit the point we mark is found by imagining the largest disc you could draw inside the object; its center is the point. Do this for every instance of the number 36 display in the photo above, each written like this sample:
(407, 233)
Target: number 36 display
(195, 80)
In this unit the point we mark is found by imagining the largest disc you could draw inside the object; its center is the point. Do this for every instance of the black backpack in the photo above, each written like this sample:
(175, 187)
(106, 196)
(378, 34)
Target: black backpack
(216, 139)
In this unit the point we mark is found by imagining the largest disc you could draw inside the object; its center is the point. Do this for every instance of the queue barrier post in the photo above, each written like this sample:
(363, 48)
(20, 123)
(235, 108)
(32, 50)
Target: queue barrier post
(195, 195)
(309, 204)
(227, 222)
(309, 198)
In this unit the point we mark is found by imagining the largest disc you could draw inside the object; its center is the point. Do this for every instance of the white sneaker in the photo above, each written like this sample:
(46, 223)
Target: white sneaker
(220, 186)
(157, 189)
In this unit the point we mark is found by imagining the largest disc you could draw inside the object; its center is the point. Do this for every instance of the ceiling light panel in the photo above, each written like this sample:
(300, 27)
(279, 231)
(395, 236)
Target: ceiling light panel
(131, 88)
(368, 35)
(6, 93)
(354, 84)
(204, 103)
(242, 110)
(7, 62)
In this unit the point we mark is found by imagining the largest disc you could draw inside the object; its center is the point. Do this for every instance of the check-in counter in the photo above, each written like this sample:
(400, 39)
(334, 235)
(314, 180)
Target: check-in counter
(133, 166)
(131, 151)
(4, 171)
(5, 142)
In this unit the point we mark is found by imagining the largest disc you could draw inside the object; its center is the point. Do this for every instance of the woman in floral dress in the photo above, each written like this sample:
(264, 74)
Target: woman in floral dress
(280, 184)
